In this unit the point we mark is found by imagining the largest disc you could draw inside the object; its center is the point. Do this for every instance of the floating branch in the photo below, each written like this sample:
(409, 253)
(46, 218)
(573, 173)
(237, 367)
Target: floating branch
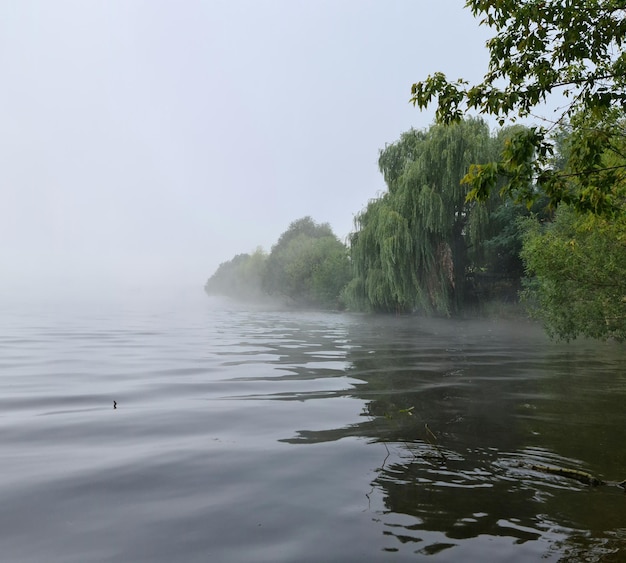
(580, 476)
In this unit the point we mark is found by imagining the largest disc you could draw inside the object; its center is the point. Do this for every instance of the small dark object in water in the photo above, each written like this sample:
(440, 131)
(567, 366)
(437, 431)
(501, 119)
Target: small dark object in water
(581, 476)
(114, 404)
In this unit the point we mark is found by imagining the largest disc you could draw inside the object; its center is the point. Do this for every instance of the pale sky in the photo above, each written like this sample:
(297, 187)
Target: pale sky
(144, 142)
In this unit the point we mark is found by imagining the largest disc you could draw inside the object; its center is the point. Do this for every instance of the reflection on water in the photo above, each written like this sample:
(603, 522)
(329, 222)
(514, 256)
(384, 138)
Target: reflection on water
(281, 436)
(463, 410)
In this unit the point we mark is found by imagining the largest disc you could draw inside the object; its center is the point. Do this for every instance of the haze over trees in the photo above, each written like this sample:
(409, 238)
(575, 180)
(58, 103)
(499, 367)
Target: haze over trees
(307, 267)
(240, 278)
(469, 212)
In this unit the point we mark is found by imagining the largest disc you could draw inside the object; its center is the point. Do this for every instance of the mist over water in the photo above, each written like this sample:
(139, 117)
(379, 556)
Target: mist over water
(252, 434)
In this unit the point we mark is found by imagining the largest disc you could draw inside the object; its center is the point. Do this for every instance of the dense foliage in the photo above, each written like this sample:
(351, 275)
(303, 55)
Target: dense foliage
(578, 159)
(308, 266)
(577, 263)
(540, 47)
(240, 278)
(414, 247)
(577, 274)
(552, 198)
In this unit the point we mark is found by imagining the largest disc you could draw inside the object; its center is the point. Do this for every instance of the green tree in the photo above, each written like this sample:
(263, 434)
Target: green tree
(577, 274)
(381, 251)
(412, 247)
(330, 271)
(541, 47)
(308, 265)
(577, 263)
(240, 278)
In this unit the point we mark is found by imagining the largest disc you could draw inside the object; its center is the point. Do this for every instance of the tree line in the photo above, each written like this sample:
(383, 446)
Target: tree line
(423, 246)
(307, 267)
(469, 214)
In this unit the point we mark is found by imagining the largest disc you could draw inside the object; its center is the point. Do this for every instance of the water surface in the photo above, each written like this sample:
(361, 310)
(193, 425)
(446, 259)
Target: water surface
(255, 435)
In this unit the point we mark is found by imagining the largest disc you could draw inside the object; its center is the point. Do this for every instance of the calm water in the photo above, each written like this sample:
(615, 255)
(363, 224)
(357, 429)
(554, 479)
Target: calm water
(260, 436)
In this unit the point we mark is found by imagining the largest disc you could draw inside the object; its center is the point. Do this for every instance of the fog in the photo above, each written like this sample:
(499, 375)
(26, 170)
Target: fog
(145, 142)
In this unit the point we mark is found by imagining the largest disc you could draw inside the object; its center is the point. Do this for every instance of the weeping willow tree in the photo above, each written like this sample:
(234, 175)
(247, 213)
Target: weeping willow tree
(411, 246)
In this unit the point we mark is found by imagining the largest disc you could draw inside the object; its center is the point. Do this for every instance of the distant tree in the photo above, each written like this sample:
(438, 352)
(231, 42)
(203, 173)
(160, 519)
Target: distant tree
(540, 47)
(241, 277)
(306, 227)
(330, 271)
(308, 265)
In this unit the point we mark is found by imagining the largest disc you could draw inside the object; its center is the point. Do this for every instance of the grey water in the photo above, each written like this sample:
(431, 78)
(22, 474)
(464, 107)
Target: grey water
(251, 435)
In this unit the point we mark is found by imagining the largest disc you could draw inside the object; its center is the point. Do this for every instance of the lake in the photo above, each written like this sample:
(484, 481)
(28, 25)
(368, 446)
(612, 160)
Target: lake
(278, 436)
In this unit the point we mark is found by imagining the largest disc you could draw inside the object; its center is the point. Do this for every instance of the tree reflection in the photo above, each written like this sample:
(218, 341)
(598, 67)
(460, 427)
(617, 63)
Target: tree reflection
(457, 412)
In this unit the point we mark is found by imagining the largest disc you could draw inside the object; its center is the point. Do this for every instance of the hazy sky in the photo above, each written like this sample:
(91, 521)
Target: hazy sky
(145, 142)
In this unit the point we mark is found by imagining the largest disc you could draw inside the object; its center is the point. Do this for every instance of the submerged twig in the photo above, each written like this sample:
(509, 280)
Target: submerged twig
(577, 475)
(430, 434)
(581, 476)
